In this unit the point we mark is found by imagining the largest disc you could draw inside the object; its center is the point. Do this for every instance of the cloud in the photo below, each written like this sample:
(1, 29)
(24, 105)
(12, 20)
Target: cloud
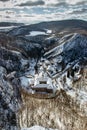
(58, 4)
(64, 2)
(74, 2)
(32, 3)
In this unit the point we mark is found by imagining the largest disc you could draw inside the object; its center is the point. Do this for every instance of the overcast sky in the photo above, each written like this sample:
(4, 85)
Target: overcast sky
(32, 11)
(39, 2)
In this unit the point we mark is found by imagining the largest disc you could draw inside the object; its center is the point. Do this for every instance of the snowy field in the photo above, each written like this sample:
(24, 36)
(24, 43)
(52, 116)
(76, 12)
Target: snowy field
(37, 128)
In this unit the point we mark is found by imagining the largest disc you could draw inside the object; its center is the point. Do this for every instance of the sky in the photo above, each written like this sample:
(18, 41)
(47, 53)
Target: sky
(34, 11)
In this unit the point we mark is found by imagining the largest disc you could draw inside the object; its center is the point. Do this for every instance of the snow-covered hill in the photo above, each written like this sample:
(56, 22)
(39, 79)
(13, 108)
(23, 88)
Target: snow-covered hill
(52, 50)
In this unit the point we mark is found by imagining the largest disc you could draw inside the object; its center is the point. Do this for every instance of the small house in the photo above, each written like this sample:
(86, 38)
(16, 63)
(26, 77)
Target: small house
(43, 84)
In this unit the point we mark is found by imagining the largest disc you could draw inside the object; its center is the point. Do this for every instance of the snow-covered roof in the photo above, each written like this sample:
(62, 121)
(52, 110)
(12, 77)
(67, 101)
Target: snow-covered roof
(42, 79)
(42, 86)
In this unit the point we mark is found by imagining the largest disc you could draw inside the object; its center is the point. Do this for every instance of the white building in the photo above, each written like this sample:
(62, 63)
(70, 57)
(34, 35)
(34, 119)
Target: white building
(43, 84)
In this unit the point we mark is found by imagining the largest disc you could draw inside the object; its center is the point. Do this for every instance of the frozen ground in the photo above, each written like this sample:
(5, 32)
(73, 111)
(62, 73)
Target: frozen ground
(37, 128)
(35, 33)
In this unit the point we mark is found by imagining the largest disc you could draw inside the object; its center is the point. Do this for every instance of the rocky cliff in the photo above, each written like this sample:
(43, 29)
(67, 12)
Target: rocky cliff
(56, 50)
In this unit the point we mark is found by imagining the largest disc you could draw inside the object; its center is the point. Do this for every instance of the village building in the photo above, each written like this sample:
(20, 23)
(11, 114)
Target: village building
(43, 84)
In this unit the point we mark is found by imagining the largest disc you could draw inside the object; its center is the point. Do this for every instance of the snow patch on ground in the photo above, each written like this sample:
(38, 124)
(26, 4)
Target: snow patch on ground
(71, 93)
(24, 81)
(7, 27)
(49, 31)
(82, 96)
(37, 128)
(35, 33)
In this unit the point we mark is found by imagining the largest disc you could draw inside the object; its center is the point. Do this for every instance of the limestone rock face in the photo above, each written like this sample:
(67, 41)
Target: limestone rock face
(50, 50)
